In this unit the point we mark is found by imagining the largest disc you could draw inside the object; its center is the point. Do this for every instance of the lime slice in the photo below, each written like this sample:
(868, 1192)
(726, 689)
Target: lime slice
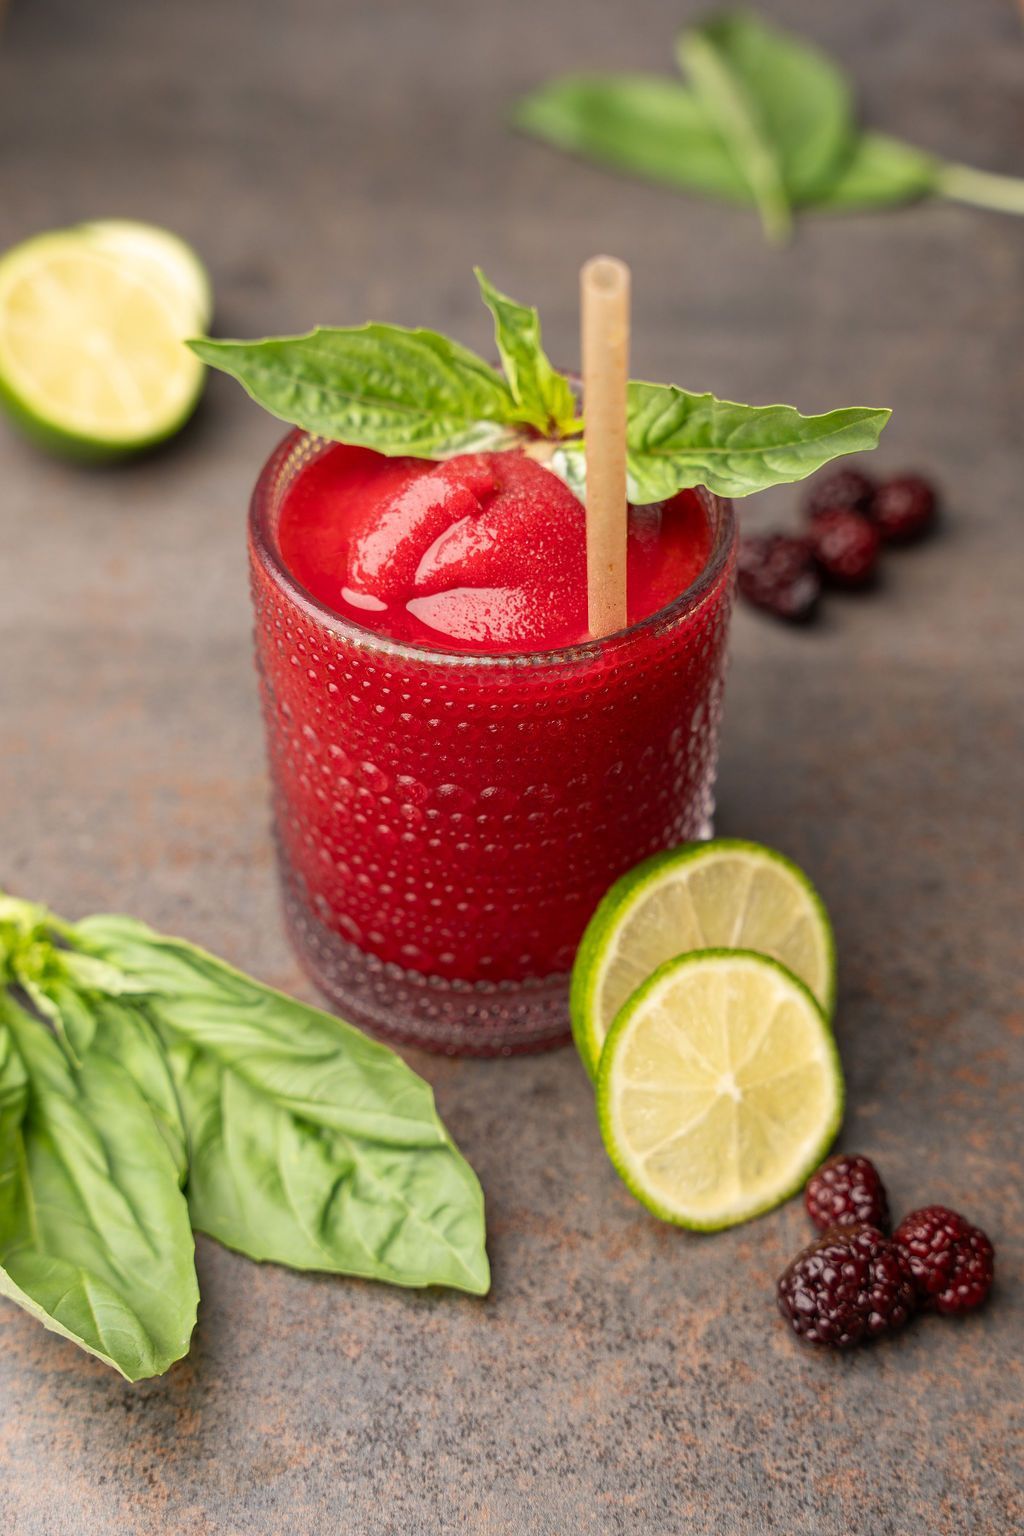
(723, 894)
(163, 260)
(92, 356)
(719, 1089)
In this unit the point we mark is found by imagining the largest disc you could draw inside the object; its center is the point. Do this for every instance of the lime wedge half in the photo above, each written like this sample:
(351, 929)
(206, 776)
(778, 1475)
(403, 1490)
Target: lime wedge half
(92, 356)
(722, 894)
(719, 1089)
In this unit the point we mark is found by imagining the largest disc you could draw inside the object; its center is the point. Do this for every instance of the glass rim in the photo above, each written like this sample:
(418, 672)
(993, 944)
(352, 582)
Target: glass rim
(263, 506)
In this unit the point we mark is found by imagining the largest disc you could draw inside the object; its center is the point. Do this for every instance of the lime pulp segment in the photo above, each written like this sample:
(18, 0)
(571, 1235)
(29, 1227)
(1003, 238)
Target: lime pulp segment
(719, 1088)
(163, 260)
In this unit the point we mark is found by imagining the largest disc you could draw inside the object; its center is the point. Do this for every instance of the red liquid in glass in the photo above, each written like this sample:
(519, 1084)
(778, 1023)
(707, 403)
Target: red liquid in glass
(486, 552)
(451, 808)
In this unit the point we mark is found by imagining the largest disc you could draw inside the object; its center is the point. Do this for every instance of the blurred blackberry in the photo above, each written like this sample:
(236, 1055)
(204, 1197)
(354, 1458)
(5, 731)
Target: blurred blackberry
(903, 509)
(846, 546)
(777, 573)
(842, 490)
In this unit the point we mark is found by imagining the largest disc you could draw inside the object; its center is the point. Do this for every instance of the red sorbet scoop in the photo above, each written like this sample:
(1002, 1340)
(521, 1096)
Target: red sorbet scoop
(484, 552)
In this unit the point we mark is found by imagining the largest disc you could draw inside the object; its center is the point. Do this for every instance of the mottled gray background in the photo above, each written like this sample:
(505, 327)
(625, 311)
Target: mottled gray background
(335, 161)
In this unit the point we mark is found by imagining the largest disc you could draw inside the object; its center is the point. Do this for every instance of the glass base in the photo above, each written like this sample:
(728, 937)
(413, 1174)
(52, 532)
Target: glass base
(452, 1018)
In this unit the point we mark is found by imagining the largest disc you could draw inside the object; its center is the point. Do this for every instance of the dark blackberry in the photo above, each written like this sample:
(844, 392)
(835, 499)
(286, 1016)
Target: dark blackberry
(903, 509)
(777, 573)
(847, 1191)
(847, 1287)
(950, 1262)
(843, 490)
(846, 547)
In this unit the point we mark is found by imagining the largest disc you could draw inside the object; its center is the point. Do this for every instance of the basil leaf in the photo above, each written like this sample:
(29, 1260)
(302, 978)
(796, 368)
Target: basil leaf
(73, 1020)
(675, 439)
(644, 124)
(126, 1034)
(375, 386)
(310, 1144)
(95, 1239)
(880, 171)
(13, 1097)
(544, 398)
(743, 129)
(782, 108)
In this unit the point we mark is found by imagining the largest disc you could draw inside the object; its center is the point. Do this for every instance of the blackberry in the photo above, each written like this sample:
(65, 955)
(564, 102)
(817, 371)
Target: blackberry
(777, 573)
(844, 490)
(847, 1287)
(846, 547)
(846, 1191)
(950, 1262)
(903, 509)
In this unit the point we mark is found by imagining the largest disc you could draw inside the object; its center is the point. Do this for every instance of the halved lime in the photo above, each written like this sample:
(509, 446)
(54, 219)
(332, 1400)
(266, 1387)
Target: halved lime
(719, 1089)
(92, 356)
(163, 260)
(723, 894)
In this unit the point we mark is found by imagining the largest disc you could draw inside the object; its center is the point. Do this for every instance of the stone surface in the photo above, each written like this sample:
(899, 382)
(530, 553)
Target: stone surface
(336, 162)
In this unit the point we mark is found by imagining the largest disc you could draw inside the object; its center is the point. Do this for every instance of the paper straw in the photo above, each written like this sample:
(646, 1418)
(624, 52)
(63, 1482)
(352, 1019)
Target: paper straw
(604, 303)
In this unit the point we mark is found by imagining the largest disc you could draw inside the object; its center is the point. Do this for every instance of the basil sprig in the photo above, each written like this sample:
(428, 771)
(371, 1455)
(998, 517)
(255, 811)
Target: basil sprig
(147, 1088)
(766, 119)
(417, 393)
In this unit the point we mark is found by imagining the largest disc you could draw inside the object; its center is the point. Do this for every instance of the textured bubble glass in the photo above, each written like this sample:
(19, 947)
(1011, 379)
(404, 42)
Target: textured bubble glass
(446, 823)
